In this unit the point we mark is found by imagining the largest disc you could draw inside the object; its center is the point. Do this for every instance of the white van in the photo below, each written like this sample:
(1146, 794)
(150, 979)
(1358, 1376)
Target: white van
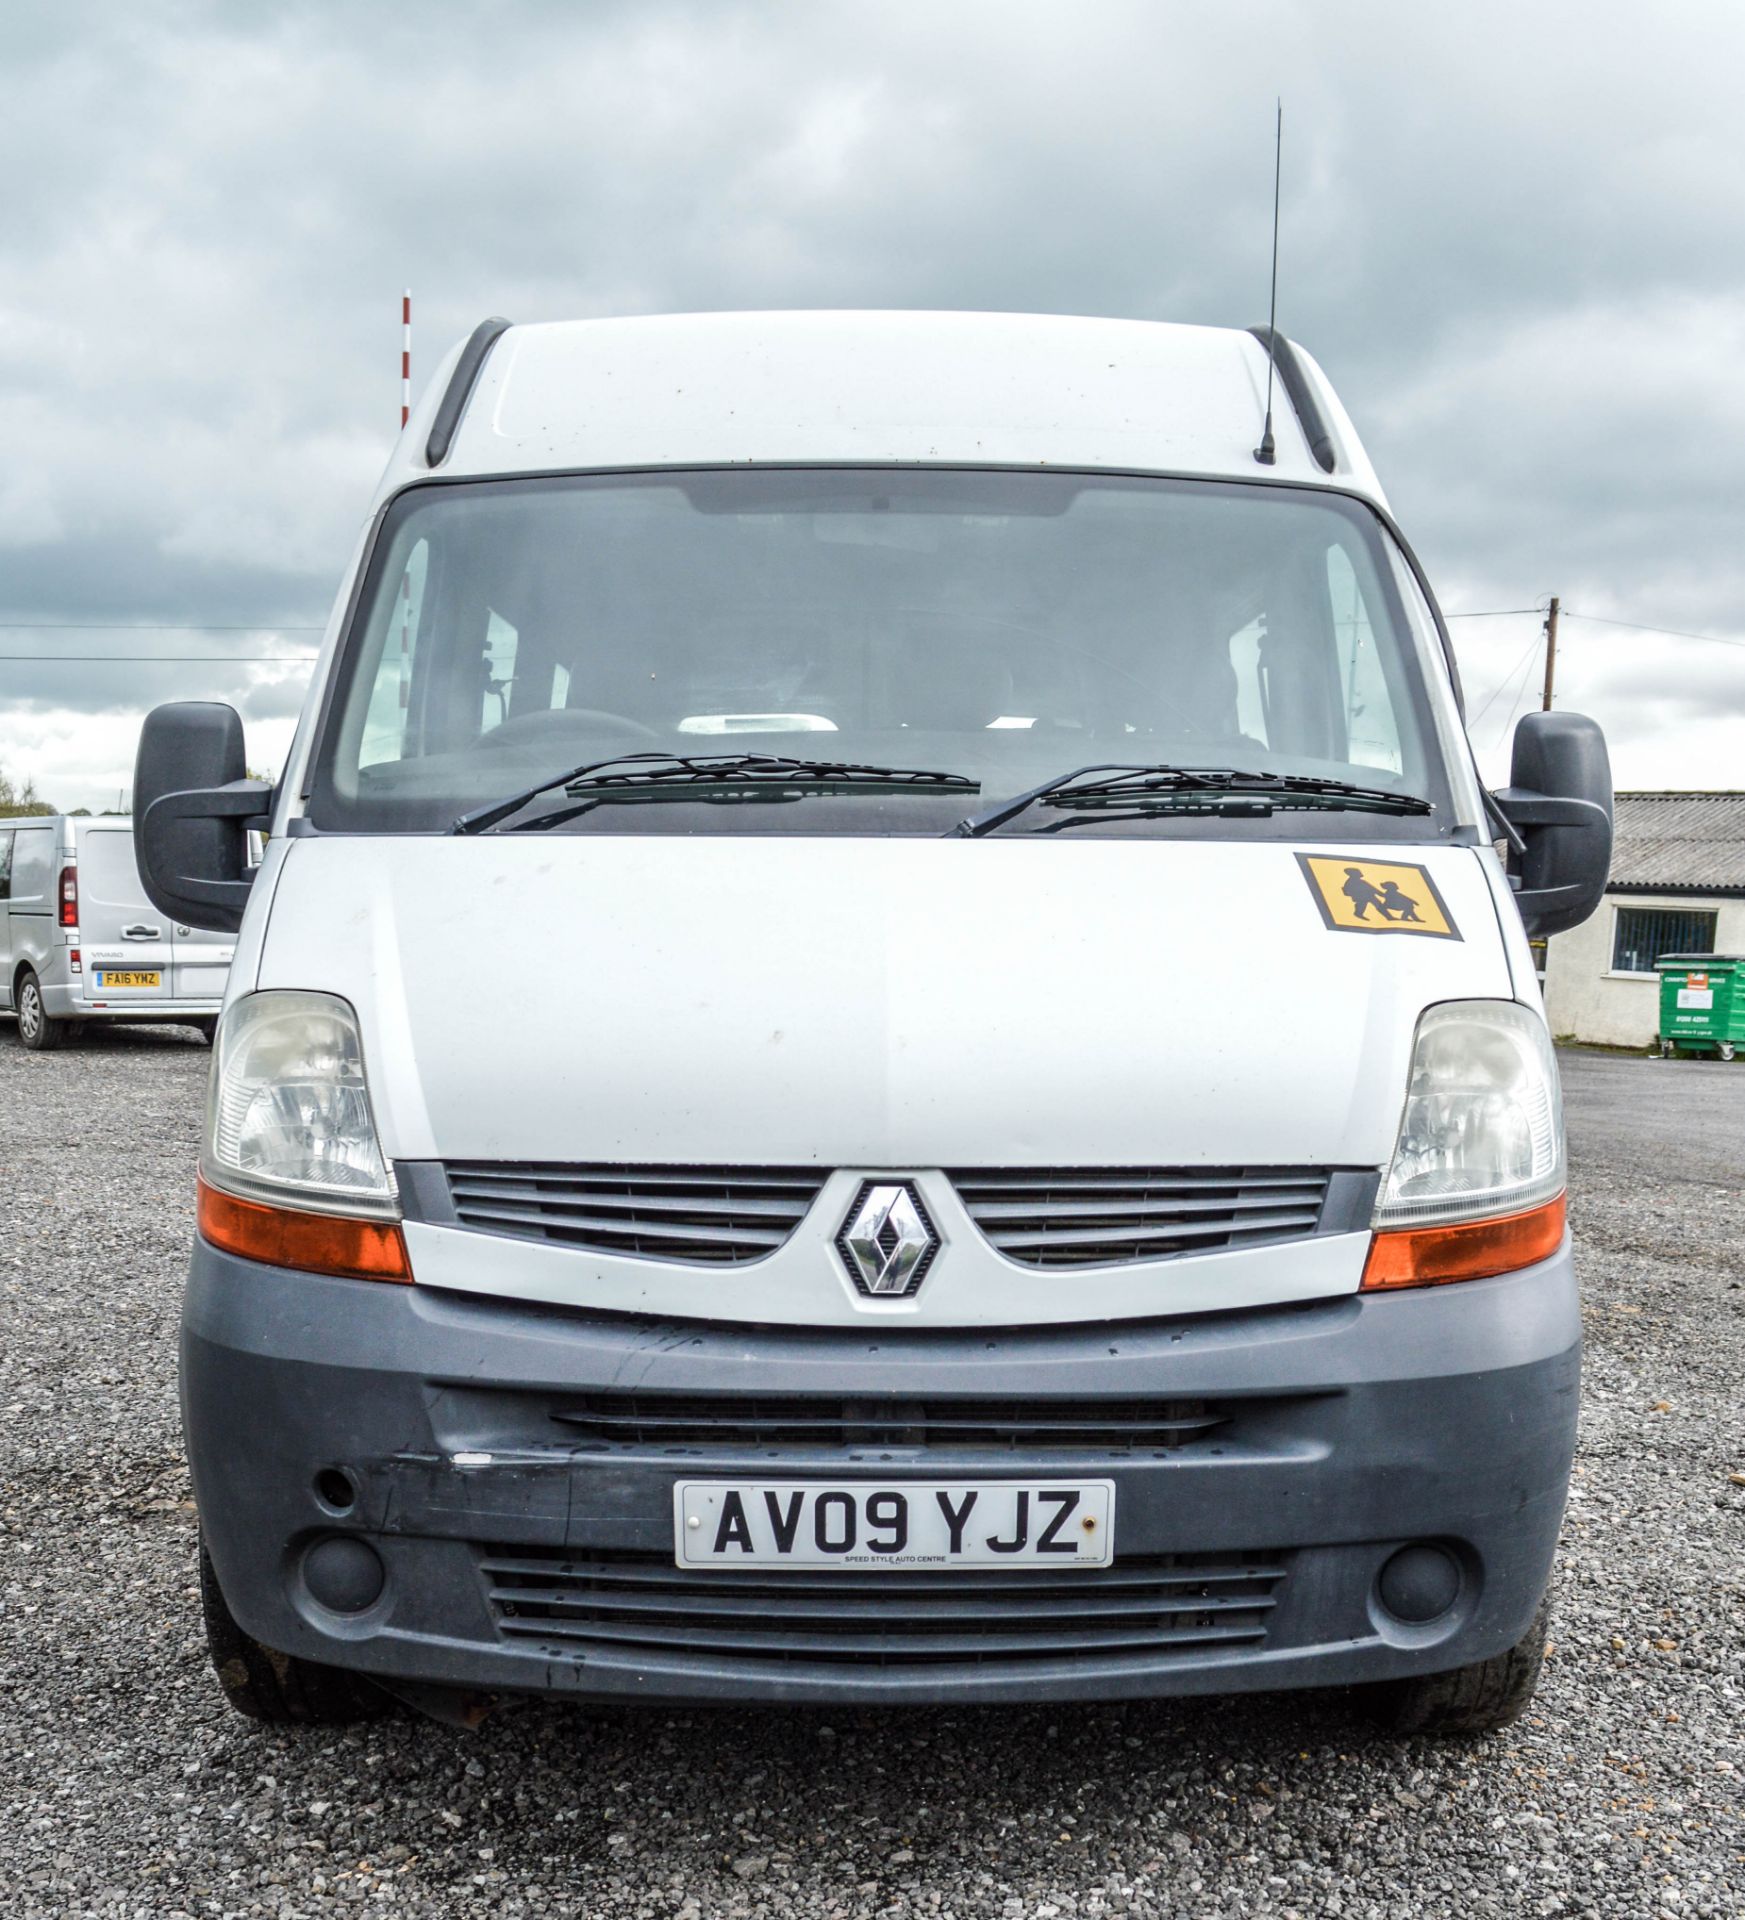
(79, 941)
(882, 1053)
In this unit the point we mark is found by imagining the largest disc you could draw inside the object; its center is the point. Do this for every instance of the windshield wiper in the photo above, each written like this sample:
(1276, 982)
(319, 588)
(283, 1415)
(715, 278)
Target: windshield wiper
(1140, 790)
(710, 776)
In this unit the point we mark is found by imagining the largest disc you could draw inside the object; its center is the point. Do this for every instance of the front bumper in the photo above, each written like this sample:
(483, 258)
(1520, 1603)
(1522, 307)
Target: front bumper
(1338, 1431)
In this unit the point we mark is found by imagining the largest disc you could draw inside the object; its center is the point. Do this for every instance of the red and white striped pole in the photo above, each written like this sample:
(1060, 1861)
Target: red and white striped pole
(406, 356)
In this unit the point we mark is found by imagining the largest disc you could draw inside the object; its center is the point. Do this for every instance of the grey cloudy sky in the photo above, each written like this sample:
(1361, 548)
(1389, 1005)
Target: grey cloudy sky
(1514, 236)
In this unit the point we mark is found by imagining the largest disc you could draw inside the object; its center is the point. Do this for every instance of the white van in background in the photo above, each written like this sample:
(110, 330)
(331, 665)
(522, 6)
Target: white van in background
(79, 940)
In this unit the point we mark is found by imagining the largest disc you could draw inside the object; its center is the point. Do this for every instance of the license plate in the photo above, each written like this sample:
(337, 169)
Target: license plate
(866, 1523)
(108, 980)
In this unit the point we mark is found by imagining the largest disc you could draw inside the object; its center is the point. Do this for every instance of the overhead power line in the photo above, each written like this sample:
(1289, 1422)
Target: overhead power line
(1527, 653)
(1602, 620)
(1646, 626)
(147, 626)
(1522, 684)
(166, 659)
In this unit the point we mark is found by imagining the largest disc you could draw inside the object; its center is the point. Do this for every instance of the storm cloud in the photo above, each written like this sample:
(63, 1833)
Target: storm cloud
(1512, 235)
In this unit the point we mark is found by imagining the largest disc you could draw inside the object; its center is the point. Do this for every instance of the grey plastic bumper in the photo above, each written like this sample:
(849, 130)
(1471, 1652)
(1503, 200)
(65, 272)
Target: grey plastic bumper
(67, 1003)
(1446, 1415)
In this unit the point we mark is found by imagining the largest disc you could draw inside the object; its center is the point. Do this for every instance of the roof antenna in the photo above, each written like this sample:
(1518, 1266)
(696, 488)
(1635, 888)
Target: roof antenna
(1267, 452)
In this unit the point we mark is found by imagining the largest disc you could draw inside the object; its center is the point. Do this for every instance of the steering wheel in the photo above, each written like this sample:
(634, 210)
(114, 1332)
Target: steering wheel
(573, 719)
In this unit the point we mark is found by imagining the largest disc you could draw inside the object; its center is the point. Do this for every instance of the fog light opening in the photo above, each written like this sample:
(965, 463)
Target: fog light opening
(344, 1573)
(333, 1488)
(1419, 1584)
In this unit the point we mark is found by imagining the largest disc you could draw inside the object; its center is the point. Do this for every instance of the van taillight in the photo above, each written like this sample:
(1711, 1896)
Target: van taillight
(69, 896)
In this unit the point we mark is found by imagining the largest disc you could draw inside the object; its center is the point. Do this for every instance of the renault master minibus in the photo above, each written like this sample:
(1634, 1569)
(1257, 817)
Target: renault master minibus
(885, 1051)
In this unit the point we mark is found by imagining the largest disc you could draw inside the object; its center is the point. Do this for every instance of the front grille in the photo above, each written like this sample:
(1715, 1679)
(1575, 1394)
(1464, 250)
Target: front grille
(715, 1216)
(578, 1603)
(1018, 1426)
(1109, 1216)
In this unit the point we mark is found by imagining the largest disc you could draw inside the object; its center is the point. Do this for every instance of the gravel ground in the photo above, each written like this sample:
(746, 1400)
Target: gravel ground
(128, 1788)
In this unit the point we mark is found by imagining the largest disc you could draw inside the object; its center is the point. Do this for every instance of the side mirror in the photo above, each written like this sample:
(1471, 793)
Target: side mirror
(1559, 804)
(193, 804)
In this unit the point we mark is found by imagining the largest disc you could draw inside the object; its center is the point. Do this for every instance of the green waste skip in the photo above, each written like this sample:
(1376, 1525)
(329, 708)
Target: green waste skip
(1702, 1003)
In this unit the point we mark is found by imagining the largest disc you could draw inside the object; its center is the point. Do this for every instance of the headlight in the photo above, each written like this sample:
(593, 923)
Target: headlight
(1482, 1131)
(288, 1113)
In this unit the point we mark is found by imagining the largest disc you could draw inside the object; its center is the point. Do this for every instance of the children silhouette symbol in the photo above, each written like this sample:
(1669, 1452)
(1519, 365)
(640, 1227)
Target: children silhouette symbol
(1364, 894)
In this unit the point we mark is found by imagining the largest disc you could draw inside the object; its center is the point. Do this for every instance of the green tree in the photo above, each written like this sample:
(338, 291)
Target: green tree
(16, 801)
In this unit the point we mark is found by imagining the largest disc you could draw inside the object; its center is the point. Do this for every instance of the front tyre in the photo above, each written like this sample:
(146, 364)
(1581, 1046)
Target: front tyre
(1482, 1698)
(38, 1032)
(278, 1688)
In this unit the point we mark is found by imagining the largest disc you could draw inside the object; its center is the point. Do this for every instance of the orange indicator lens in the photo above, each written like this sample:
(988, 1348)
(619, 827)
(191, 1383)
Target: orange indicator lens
(310, 1242)
(1471, 1250)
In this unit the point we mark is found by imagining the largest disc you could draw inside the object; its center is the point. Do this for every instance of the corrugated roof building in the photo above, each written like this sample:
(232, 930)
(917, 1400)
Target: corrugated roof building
(1677, 886)
(1680, 843)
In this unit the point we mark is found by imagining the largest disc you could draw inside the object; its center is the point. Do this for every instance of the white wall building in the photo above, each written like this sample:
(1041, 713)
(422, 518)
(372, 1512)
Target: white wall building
(1677, 886)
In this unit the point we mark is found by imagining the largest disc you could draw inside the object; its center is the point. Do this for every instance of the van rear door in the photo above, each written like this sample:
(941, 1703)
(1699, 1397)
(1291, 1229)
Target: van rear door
(128, 945)
(6, 916)
(202, 962)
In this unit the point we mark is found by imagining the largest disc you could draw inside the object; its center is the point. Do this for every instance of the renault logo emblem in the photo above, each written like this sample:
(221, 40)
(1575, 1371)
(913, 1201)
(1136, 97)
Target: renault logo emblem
(887, 1242)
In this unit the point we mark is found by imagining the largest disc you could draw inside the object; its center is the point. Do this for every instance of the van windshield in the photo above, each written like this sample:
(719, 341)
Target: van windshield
(998, 626)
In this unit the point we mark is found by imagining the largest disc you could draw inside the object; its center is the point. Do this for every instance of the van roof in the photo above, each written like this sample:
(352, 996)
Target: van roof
(70, 824)
(983, 389)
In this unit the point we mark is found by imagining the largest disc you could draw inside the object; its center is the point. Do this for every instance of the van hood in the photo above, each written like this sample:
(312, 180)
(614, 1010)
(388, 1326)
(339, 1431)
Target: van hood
(872, 1003)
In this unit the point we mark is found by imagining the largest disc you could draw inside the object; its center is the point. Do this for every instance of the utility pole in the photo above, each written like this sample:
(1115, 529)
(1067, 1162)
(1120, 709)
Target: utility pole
(1550, 652)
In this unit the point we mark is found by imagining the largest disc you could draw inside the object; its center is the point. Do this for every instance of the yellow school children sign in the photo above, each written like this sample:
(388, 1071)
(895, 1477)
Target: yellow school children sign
(1376, 896)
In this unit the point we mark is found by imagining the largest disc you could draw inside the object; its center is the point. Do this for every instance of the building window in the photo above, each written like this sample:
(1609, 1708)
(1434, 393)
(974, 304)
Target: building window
(1640, 935)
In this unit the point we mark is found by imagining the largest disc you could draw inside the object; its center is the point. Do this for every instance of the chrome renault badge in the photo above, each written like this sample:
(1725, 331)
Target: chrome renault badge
(887, 1242)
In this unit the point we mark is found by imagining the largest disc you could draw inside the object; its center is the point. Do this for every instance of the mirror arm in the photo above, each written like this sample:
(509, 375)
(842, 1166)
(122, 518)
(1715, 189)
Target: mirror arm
(1524, 808)
(246, 801)
(1504, 825)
